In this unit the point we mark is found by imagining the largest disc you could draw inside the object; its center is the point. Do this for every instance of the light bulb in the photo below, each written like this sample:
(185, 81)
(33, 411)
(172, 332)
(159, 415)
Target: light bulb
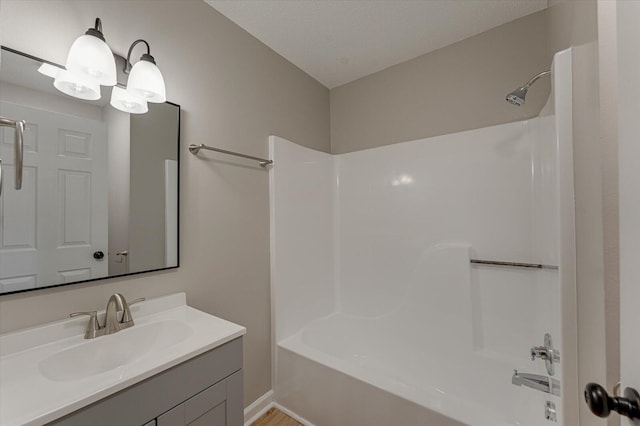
(49, 70)
(124, 101)
(78, 86)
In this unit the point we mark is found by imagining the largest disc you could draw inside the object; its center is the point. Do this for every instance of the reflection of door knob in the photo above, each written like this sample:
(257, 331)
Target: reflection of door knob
(98, 255)
(120, 255)
(601, 404)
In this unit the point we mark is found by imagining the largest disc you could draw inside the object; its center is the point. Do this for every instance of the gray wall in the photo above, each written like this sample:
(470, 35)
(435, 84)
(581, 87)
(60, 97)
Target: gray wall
(153, 140)
(119, 152)
(459, 87)
(234, 93)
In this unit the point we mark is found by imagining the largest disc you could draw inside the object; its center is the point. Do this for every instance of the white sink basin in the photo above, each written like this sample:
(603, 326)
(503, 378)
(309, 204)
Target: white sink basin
(110, 352)
(49, 371)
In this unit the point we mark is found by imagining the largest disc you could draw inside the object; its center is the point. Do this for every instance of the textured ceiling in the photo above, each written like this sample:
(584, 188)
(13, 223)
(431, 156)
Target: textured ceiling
(338, 41)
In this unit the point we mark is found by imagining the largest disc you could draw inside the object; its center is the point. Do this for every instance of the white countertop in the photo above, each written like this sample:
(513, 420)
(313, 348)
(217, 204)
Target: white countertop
(28, 397)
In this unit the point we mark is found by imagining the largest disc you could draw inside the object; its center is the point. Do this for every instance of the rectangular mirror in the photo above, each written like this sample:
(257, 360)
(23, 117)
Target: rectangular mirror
(99, 193)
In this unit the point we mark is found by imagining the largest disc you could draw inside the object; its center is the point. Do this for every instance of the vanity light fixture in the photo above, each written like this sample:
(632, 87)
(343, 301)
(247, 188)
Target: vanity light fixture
(145, 79)
(91, 63)
(91, 57)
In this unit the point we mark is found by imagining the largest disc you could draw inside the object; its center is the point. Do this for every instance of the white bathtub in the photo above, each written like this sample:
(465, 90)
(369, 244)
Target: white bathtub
(465, 386)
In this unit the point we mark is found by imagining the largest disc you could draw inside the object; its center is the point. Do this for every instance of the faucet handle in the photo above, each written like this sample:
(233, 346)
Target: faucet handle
(92, 314)
(539, 352)
(93, 327)
(548, 353)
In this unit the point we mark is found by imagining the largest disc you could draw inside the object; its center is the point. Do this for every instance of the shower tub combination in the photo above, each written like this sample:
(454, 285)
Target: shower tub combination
(379, 316)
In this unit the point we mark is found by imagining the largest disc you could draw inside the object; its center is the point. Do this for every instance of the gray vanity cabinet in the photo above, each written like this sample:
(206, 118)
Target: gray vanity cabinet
(205, 390)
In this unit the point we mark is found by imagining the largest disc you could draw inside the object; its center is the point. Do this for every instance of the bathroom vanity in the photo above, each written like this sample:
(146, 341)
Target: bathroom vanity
(206, 390)
(175, 366)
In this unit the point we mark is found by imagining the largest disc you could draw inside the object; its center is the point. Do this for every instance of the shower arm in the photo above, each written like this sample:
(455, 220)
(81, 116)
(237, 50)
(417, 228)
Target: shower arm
(536, 77)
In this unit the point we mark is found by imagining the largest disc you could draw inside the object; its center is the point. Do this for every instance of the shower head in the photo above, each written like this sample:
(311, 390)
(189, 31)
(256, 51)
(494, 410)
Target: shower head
(517, 96)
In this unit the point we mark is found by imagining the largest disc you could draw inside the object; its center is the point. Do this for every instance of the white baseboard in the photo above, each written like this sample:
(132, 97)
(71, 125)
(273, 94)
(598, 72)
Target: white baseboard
(261, 405)
(293, 415)
(258, 408)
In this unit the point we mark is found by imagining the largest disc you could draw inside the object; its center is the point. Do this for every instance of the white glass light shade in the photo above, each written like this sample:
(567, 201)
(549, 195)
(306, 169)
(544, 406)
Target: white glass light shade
(48, 70)
(92, 57)
(146, 82)
(78, 86)
(124, 101)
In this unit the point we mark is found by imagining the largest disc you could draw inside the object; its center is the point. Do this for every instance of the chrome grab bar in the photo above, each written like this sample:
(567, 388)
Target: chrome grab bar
(18, 126)
(513, 264)
(194, 149)
(19, 152)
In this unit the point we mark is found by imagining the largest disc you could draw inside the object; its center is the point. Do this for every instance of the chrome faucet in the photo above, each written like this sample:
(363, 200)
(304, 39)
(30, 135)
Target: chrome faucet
(117, 303)
(537, 382)
(112, 324)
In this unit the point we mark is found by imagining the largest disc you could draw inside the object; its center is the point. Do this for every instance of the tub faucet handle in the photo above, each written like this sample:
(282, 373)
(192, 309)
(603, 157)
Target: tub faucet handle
(548, 353)
(539, 352)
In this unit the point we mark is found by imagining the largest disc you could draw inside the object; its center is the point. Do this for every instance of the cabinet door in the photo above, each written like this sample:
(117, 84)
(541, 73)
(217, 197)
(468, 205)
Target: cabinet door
(173, 417)
(207, 408)
(214, 417)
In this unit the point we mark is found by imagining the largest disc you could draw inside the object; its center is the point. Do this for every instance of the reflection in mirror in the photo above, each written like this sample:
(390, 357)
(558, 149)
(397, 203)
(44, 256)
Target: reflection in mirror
(100, 187)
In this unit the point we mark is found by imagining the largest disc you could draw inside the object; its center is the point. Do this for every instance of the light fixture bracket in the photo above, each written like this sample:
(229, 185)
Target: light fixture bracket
(148, 58)
(145, 56)
(97, 30)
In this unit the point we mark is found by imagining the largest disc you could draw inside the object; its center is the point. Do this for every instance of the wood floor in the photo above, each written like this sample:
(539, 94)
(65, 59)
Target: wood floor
(275, 417)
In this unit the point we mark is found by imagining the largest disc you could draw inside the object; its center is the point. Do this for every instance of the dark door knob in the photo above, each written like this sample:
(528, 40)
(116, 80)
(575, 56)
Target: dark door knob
(601, 404)
(98, 255)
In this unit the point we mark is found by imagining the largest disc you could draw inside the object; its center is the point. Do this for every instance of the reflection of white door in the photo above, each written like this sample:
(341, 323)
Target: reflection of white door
(629, 146)
(50, 229)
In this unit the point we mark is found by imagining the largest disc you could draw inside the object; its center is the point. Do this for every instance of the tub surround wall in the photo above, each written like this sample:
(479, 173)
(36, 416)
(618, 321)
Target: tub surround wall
(408, 217)
(302, 191)
(234, 92)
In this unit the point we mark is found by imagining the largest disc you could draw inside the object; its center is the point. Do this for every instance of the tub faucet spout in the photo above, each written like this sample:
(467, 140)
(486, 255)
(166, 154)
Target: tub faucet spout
(537, 382)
